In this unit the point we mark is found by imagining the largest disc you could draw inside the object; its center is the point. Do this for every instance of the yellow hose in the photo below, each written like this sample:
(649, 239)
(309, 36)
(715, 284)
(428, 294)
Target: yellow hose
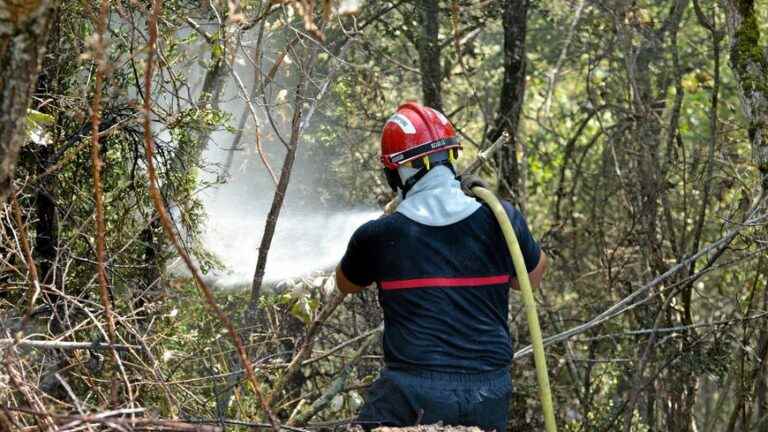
(545, 394)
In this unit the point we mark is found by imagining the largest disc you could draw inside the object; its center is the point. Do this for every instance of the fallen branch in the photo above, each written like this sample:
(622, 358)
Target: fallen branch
(343, 345)
(235, 422)
(338, 384)
(66, 345)
(106, 418)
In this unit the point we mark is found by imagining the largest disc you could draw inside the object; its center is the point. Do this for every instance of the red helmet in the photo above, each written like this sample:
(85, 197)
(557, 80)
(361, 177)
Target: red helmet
(413, 132)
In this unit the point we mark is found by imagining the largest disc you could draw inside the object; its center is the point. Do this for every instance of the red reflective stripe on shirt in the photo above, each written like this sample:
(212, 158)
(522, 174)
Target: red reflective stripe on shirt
(444, 282)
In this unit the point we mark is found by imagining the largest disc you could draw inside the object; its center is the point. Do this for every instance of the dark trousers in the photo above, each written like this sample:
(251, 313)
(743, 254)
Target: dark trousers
(410, 397)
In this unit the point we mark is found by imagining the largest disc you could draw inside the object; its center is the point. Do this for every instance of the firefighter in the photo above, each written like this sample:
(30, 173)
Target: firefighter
(443, 274)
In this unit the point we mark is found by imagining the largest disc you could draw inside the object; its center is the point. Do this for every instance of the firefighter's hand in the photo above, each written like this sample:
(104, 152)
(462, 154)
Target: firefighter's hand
(469, 181)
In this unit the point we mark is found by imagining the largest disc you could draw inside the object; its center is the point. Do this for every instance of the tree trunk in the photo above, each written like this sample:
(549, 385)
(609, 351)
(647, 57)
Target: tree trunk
(514, 18)
(47, 223)
(425, 39)
(24, 26)
(749, 62)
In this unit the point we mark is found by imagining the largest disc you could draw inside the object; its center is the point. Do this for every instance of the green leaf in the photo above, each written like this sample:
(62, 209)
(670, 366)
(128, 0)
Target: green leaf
(217, 51)
(37, 118)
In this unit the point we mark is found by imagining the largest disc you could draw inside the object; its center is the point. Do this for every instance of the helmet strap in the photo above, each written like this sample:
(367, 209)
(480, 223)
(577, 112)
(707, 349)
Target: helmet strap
(393, 179)
(412, 180)
(395, 182)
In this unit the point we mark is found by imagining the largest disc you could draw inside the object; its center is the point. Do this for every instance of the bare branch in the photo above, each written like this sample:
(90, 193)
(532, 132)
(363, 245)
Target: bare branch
(167, 225)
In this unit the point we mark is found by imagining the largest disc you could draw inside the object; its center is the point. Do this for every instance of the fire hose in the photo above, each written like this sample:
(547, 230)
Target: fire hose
(545, 393)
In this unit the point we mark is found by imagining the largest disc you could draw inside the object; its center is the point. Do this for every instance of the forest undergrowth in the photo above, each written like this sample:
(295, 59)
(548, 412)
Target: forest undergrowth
(637, 153)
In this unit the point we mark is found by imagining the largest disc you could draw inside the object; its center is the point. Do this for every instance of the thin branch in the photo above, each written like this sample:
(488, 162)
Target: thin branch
(34, 281)
(235, 422)
(255, 118)
(107, 418)
(552, 78)
(196, 27)
(96, 165)
(167, 225)
(343, 345)
(98, 194)
(676, 329)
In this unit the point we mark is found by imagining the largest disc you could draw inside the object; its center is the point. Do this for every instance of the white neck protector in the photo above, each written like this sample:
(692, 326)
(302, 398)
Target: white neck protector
(437, 200)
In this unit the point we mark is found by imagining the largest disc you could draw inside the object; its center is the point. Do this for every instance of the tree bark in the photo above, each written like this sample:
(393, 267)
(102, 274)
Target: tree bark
(24, 27)
(282, 186)
(514, 18)
(749, 61)
(47, 223)
(425, 39)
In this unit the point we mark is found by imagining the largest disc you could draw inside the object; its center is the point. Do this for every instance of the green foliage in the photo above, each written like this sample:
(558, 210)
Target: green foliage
(586, 134)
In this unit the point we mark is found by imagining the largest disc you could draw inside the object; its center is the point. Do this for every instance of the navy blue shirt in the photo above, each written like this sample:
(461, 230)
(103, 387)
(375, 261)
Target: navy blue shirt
(444, 289)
